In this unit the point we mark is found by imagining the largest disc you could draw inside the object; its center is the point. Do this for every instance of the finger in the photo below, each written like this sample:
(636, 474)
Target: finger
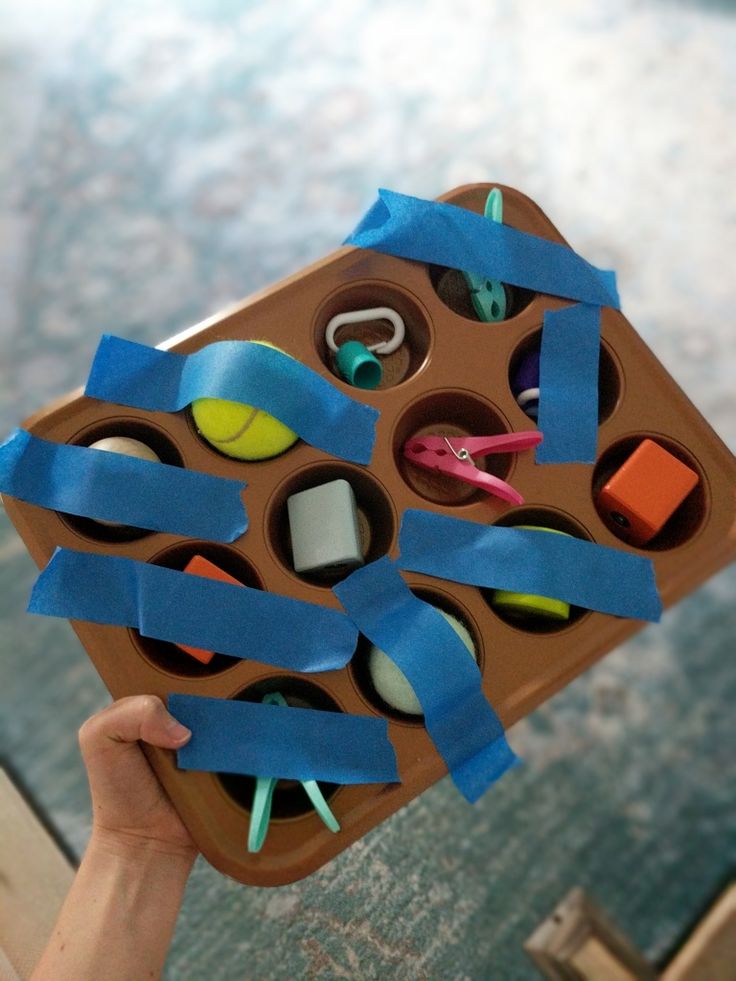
(128, 720)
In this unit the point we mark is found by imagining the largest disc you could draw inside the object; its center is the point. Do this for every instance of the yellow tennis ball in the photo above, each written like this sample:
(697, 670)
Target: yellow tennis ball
(242, 431)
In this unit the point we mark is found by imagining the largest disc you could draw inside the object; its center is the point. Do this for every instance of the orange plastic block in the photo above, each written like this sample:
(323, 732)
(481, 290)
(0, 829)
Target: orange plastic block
(646, 491)
(199, 566)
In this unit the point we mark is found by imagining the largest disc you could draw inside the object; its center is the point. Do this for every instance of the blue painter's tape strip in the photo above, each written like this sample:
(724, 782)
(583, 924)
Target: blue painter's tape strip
(460, 721)
(592, 576)
(431, 231)
(568, 385)
(182, 608)
(162, 381)
(253, 739)
(112, 487)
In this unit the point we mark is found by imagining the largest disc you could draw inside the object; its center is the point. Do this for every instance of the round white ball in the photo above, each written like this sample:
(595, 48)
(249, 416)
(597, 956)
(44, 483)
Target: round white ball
(392, 684)
(126, 446)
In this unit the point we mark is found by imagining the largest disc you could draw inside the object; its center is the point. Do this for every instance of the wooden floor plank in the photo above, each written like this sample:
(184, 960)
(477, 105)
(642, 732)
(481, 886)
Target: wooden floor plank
(35, 877)
(709, 953)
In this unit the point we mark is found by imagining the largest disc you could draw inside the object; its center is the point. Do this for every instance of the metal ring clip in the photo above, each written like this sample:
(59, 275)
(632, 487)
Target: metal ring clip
(361, 316)
(462, 454)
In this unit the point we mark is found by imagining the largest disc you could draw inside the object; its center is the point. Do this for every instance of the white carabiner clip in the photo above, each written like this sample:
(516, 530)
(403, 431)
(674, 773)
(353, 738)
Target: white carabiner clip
(361, 316)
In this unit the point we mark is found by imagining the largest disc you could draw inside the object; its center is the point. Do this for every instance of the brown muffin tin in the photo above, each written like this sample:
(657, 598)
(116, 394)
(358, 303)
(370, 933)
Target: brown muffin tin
(451, 377)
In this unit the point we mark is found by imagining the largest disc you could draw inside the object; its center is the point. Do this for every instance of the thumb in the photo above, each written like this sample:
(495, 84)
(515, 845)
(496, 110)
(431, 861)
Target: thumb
(128, 720)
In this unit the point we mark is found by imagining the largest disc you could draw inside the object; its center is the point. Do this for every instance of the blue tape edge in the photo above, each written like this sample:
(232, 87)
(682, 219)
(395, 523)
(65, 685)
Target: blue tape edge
(448, 235)
(253, 739)
(568, 385)
(181, 608)
(112, 487)
(148, 378)
(583, 573)
(459, 719)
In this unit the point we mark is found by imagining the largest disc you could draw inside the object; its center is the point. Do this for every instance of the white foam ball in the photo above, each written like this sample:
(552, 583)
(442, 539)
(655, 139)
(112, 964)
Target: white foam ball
(390, 681)
(126, 446)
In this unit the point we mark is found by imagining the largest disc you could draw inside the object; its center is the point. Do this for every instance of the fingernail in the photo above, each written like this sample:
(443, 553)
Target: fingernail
(176, 730)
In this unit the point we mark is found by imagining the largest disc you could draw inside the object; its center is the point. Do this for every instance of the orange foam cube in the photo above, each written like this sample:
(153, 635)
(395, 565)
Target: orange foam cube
(199, 566)
(646, 491)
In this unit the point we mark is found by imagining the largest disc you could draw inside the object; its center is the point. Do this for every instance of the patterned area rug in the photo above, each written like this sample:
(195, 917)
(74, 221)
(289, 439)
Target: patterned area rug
(161, 160)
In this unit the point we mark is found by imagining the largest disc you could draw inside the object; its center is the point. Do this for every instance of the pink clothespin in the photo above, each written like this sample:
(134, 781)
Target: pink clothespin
(453, 456)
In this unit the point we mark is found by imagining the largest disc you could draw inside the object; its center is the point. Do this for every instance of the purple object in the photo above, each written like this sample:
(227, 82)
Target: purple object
(527, 374)
(525, 383)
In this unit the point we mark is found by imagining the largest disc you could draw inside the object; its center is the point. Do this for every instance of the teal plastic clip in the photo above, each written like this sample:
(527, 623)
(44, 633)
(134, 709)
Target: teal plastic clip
(489, 295)
(260, 814)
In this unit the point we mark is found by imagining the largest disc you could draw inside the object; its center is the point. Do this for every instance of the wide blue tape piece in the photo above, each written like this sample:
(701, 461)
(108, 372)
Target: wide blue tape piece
(134, 374)
(444, 234)
(259, 740)
(592, 576)
(568, 385)
(182, 608)
(112, 487)
(460, 721)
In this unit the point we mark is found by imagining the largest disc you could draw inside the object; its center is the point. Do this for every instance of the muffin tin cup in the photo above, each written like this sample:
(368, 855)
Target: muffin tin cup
(690, 516)
(609, 374)
(451, 379)
(359, 666)
(153, 436)
(375, 512)
(452, 289)
(449, 413)
(164, 656)
(290, 800)
(400, 365)
(557, 521)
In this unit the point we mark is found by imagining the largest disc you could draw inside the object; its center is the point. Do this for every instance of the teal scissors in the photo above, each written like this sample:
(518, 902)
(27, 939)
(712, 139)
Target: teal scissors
(489, 295)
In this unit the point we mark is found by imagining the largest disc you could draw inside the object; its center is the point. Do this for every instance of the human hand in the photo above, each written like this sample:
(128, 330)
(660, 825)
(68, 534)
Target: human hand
(131, 809)
(119, 916)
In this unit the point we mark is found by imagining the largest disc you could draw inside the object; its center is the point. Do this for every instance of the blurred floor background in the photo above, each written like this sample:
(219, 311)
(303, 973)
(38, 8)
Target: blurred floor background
(159, 160)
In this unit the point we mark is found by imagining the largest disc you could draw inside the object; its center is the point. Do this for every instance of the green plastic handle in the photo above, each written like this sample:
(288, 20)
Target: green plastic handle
(260, 814)
(320, 804)
(489, 295)
(494, 205)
